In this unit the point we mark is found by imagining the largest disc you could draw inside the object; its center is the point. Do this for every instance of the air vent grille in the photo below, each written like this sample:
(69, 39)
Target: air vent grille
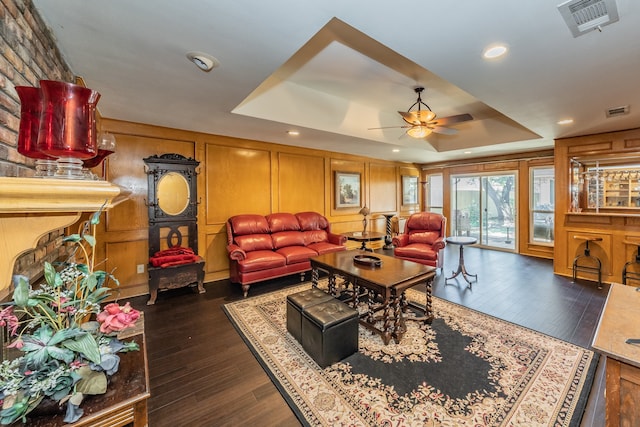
(584, 15)
(617, 111)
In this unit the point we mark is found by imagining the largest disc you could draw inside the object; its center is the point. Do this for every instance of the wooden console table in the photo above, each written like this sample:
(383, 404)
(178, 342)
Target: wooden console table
(618, 323)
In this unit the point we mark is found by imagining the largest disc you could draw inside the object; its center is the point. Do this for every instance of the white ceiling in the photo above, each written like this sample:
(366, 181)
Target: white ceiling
(331, 69)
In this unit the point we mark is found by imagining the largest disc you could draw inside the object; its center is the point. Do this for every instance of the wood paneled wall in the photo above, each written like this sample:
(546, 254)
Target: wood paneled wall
(236, 176)
(614, 227)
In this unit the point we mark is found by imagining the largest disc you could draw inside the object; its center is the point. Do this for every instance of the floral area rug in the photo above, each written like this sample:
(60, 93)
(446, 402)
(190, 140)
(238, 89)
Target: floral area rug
(465, 369)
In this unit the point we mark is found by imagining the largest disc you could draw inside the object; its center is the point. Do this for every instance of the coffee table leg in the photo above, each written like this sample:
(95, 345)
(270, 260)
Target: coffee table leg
(399, 326)
(428, 308)
(370, 301)
(387, 327)
(314, 277)
(332, 284)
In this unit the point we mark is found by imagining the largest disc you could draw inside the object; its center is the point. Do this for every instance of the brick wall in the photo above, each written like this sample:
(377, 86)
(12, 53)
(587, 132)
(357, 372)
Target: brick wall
(28, 54)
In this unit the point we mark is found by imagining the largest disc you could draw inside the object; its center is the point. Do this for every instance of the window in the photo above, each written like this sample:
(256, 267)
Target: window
(434, 197)
(542, 204)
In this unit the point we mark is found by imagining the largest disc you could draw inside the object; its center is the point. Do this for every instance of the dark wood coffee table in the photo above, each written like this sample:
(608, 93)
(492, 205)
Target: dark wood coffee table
(381, 288)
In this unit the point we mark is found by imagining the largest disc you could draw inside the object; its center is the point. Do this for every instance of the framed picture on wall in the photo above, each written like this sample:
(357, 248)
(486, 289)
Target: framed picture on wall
(409, 190)
(347, 189)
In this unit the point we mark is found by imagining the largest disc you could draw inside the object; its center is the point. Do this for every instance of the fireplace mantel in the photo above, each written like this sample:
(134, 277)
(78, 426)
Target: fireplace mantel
(32, 207)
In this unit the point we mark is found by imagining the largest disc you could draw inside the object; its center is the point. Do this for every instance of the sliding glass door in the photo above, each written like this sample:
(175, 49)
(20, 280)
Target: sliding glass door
(484, 207)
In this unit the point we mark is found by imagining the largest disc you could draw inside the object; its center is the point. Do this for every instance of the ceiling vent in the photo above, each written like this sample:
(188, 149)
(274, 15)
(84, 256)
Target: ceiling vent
(584, 15)
(617, 111)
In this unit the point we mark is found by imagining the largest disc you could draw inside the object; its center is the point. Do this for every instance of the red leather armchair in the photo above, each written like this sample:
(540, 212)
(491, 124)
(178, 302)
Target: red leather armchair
(423, 239)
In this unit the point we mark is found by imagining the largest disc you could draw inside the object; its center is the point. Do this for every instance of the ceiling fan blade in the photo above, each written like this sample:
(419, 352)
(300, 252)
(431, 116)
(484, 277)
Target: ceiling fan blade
(452, 119)
(443, 131)
(390, 127)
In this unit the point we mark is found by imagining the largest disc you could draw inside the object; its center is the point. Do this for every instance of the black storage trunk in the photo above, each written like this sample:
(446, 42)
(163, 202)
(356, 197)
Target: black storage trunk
(298, 302)
(330, 331)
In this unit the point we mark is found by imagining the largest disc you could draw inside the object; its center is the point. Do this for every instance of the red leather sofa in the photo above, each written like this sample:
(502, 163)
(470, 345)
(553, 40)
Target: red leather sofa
(423, 239)
(264, 247)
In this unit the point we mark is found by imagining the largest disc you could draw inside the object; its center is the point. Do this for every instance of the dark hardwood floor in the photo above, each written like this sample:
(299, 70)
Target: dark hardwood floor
(203, 374)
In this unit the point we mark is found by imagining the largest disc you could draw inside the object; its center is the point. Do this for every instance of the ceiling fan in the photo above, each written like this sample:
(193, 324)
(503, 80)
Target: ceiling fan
(420, 123)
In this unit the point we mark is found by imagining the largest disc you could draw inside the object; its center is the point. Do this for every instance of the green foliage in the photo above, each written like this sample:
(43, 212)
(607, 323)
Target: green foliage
(57, 347)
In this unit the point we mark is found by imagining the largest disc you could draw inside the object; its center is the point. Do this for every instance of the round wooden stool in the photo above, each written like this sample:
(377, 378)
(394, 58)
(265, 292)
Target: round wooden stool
(633, 275)
(597, 268)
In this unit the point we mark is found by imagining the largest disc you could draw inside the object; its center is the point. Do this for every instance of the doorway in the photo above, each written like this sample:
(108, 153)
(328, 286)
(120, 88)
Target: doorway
(484, 207)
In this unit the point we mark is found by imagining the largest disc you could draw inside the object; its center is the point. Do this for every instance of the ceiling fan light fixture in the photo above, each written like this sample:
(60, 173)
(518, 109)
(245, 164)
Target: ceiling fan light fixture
(419, 116)
(424, 115)
(418, 132)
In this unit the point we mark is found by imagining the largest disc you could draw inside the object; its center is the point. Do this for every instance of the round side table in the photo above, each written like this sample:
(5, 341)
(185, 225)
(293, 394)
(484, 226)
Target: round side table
(359, 236)
(461, 241)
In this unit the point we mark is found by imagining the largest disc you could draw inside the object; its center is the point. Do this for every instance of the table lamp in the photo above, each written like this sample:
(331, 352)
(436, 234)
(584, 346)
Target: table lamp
(364, 212)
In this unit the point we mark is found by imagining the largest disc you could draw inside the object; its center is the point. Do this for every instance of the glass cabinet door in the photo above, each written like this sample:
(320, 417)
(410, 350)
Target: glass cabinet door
(597, 186)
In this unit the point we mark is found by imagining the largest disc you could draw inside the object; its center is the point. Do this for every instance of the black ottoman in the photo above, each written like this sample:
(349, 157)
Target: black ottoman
(298, 302)
(330, 332)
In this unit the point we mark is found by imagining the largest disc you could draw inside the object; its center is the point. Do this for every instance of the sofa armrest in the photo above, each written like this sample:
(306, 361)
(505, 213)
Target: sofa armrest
(439, 244)
(401, 240)
(337, 239)
(235, 253)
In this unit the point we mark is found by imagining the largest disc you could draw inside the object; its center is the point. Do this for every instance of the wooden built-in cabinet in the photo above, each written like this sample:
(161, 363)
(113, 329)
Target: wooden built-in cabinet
(598, 195)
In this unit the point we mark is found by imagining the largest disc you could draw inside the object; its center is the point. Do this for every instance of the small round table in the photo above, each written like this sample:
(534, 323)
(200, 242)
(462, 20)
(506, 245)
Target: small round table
(461, 241)
(369, 236)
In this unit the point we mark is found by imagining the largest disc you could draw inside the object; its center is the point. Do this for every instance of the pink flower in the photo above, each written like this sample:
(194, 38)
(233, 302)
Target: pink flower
(69, 309)
(7, 318)
(116, 318)
(76, 364)
(17, 344)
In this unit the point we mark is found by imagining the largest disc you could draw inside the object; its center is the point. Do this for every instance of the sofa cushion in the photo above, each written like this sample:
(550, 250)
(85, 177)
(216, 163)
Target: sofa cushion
(295, 254)
(283, 222)
(261, 260)
(416, 251)
(249, 224)
(287, 238)
(325, 247)
(423, 236)
(314, 236)
(254, 242)
(312, 221)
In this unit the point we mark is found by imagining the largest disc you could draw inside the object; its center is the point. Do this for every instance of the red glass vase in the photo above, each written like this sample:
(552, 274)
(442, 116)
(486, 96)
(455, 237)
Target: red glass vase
(30, 110)
(106, 146)
(68, 125)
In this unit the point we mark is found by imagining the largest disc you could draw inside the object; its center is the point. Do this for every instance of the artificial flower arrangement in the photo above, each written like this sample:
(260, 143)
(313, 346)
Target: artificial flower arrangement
(68, 342)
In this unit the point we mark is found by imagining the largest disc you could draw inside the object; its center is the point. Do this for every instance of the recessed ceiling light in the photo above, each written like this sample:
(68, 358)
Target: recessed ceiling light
(467, 152)
(565, 121)
(293, 132)
(203, 61)
(395, 150)
(494, 51)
